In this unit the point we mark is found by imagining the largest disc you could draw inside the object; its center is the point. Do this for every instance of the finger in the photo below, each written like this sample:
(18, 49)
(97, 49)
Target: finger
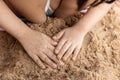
(47, 60)
(59, 35)
(52, 48)
(54, 43)
(53, 57)
(68, 53)
(63, 50)
(76, 52)
(38, 62)
(60, 45)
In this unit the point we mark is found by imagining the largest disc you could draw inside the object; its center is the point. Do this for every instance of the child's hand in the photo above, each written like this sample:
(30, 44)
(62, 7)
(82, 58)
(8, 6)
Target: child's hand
(40, 48)
(70, 41)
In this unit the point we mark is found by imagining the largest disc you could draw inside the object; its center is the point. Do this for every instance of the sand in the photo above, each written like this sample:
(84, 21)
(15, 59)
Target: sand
(99, 58)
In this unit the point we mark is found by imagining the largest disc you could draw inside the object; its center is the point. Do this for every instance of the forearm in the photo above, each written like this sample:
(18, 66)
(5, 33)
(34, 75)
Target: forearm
(94, 15)
(10, 23)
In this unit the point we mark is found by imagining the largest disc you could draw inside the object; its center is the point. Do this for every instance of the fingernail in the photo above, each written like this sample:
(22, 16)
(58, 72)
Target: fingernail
(56, 51)
(54, 37)
(55, 43)
(59, 57)
(73, 59)
(55, 66)
(43, 68)
(64, 59)
(61, 63)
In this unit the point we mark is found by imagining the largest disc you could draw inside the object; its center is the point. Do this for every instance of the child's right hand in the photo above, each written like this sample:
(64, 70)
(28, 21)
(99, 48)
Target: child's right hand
(40, 48)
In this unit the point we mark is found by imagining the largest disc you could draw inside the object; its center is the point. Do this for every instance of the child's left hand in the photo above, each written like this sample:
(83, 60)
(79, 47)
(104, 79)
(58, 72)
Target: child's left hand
(69, 42)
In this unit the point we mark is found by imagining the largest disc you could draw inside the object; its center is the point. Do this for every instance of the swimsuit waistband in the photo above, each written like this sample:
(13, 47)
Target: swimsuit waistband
(48, 9)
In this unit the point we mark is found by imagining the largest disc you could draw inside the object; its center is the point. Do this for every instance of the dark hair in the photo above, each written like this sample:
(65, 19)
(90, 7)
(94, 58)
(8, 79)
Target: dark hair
(80, 3)
(97, 2)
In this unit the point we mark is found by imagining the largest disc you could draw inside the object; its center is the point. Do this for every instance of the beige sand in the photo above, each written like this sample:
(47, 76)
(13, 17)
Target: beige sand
(99, 58)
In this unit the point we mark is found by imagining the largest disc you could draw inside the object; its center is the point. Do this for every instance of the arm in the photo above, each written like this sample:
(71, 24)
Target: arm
(70, 39)
(38, 46)
(9, 21)
(93, 16)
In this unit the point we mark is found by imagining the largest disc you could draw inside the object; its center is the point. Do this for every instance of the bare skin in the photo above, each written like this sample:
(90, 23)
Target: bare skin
(70, 39)
(33, 41)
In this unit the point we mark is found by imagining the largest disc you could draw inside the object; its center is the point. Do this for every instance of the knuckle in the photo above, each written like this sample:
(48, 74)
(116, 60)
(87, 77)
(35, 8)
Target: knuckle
(63, 49)
(54, 58)
(69, 53)
(42, 66)
(51, 63)
(71, 49)
(64, 58)
(47, 60)
(61, 52)
(37, 61)
(33, 57)
(63, 40)
(59, 56)
(52, 55)
(75, 55)
(77, 51)
(57, 49)
(45, 46)
(42, 50)
(44, 57)
(51, 41)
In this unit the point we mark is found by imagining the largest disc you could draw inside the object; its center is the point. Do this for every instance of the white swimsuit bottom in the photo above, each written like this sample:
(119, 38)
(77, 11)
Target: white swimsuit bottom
(49, 11)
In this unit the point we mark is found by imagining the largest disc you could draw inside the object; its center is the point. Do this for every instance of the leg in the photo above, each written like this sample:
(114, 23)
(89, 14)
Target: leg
(32, 10)
(67, 7)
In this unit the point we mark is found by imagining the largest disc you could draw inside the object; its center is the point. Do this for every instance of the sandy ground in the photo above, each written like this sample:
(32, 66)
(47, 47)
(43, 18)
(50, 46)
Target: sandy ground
(99, 58)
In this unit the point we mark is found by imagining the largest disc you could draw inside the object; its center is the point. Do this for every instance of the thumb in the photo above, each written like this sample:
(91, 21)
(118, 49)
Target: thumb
(59, 35)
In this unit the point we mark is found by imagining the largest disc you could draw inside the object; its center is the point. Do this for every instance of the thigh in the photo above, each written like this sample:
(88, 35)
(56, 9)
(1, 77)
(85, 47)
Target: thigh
(33, 10)
(67, 7)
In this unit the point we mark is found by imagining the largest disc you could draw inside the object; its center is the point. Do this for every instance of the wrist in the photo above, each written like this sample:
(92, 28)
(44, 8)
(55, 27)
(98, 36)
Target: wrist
(22, 33)
(81, 28)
